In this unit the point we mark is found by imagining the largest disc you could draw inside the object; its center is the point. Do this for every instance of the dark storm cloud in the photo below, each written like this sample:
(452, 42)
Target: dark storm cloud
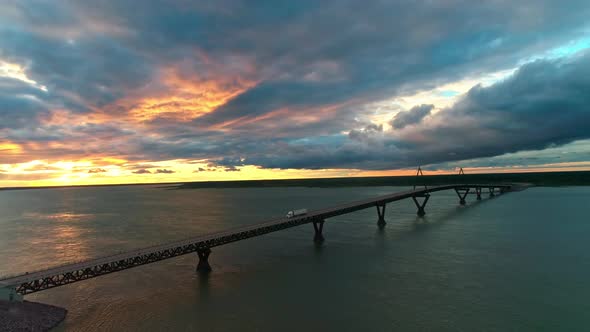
(365, 133)
(576, 152)
(20, 103)
(376, 46)
(389, 52)
(413, 116)
(271, 96)
(98, 70)
(545, 104)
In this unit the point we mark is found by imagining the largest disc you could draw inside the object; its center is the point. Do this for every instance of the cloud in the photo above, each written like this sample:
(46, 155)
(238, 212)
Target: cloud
(164, 171)
(40, 167)
(544, 104)
(231, 169)
(365, 133)
(290, 88)
(20, 103)
(413, 116)
(96, 170)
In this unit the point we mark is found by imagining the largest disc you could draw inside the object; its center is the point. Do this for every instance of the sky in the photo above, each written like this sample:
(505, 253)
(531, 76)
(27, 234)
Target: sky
(99, 92)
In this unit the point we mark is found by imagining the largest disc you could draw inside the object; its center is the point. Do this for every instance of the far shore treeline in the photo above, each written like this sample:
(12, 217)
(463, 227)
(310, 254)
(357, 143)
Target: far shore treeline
(577, 178)
(573, 178)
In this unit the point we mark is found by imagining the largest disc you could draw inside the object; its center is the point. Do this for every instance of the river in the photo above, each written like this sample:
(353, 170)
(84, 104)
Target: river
(515, 262)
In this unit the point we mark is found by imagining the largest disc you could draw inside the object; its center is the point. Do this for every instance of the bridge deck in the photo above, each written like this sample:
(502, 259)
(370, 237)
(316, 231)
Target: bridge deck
(65, 274)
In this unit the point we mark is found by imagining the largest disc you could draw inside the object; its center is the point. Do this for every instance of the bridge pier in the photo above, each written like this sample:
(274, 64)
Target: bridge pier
(318, 227)
(478, 192)
(203, 266)
(381, 213)
(462, 193)
(421, 205)
(492, 189)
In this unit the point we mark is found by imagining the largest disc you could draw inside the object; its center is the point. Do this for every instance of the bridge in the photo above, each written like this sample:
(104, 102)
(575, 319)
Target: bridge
(15, 287)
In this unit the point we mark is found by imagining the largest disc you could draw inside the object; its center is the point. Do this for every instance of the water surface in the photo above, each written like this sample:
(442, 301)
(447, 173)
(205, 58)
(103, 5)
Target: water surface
(517, 262)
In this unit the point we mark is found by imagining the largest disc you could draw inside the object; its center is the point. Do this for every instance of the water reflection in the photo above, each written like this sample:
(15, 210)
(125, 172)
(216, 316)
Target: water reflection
(59, 216)
(318, 248)
(204, 284)
(420, 223)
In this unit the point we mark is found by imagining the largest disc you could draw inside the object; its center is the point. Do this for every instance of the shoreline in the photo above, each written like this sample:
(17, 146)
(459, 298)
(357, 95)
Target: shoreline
(30, 316)
(546, 179)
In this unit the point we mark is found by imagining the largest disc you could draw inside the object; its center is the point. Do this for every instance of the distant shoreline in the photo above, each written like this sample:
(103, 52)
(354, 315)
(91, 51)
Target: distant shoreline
(162, 184)
(575, 178)
(552, 179)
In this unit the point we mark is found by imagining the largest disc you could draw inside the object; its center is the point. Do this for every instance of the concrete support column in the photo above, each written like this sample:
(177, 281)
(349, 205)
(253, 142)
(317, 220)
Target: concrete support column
(203, 266)
(462, 193)
(478, 192)
(318, 227)
(421, 205)
(381, 213)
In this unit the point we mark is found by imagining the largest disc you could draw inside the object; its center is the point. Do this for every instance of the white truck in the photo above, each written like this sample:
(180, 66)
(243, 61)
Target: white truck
(295, 213)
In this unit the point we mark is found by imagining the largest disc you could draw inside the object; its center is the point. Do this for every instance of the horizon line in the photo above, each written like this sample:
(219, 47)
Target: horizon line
(439, 173)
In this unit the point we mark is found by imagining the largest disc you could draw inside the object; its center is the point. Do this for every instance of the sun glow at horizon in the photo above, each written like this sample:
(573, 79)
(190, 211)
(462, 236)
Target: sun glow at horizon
(40, 173)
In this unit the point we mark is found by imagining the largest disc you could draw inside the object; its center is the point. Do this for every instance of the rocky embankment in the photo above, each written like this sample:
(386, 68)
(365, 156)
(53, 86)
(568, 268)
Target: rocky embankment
(29, 316)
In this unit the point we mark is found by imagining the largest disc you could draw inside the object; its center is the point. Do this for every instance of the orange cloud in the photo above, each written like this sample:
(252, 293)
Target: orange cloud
(185, 97)
(61, 117)
(278, 118)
